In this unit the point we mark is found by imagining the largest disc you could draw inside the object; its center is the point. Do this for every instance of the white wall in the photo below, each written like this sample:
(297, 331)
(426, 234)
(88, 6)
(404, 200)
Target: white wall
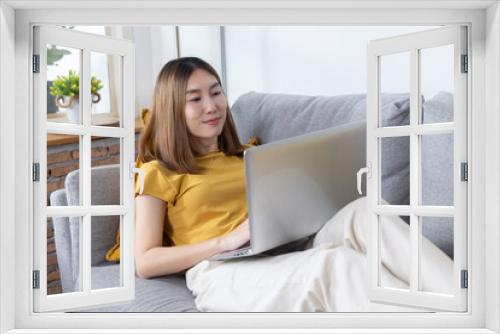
(155, 46)
(145, 74)
(308, 60)
(314, 60)
(246, 66)
(203, 42)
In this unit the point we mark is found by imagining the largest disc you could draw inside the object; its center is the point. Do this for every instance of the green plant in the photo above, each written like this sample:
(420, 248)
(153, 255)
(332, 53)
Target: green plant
(70, 85)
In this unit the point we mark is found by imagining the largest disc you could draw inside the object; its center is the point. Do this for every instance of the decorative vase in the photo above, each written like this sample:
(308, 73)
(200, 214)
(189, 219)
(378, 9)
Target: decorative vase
(71, 105)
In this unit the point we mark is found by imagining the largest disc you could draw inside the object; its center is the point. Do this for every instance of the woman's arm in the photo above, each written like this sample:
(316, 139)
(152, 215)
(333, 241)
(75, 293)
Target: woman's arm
(152, 259)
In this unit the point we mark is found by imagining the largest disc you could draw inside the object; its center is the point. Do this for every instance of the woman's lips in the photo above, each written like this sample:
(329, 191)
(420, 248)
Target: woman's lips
(214, 121)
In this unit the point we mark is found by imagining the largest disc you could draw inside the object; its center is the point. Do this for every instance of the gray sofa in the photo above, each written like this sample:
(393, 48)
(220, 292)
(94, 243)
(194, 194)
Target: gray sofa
(269, 117)
(163, 294)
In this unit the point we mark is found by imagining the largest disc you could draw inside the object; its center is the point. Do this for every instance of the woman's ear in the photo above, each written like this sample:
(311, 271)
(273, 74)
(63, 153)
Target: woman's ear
(145, 116)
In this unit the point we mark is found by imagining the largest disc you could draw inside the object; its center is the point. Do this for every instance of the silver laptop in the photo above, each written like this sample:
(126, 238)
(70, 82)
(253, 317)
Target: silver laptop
(297, 184)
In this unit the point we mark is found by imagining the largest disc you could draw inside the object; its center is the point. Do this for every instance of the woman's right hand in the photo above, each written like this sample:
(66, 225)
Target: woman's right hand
(236, 238)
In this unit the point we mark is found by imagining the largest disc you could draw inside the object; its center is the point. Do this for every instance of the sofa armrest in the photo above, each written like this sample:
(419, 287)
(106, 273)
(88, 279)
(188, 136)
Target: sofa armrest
(105, 191)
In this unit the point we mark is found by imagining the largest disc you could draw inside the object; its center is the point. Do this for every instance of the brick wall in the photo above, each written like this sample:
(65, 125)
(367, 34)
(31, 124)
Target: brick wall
(61, 160)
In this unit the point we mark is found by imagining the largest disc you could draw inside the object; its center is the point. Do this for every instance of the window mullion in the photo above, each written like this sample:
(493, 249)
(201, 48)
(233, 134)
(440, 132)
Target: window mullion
(85, 255)
(77, 129)
(85, 236)
(414, 254)
(418, 129)
(414, 167)
(422, 210)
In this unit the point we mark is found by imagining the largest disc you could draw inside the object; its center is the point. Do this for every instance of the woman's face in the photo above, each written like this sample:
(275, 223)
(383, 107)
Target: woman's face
(205, 107)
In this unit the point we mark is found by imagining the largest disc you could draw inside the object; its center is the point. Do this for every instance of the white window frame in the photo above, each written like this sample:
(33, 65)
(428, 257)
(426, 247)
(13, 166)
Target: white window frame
(85, 43)
(412, 45)
(16, 19)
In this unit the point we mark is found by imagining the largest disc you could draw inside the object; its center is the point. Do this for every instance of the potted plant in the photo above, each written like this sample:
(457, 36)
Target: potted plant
(66, 90)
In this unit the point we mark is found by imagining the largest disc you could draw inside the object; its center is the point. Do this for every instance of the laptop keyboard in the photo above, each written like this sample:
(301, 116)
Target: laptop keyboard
(231, 254)
(237, 252)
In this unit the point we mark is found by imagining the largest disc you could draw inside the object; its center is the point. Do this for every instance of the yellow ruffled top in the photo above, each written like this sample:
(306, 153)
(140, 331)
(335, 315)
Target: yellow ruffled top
(199, 206)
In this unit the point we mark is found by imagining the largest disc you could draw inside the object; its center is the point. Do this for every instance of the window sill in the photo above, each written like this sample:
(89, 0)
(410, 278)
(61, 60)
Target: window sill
(102, 120)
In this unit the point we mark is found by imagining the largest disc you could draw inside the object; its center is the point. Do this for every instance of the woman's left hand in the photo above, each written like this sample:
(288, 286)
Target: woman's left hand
(235, 238)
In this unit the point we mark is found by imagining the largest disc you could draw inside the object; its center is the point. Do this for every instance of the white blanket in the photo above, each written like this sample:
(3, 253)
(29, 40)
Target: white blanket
(331, 276)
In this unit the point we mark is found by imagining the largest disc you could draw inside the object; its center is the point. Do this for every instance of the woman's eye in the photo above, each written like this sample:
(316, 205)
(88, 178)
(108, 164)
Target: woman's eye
(216, 93)
(195, 99)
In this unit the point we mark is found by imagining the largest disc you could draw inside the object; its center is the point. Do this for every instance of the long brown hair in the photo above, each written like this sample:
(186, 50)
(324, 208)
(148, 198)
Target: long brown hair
(165, 137)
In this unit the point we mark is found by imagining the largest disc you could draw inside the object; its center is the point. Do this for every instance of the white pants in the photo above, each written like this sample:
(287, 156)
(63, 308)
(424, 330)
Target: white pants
(331, 276)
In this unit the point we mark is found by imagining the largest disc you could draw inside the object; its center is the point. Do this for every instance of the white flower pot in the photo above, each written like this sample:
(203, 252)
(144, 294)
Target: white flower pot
(72, 113)
(71, 106)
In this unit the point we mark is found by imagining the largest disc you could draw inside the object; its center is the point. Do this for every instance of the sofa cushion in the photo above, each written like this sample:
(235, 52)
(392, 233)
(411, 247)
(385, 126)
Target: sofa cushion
(437, 171)
(161, 294)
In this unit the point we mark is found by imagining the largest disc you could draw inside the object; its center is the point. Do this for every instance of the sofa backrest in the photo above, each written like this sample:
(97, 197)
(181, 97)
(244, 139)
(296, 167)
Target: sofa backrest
(272, 117)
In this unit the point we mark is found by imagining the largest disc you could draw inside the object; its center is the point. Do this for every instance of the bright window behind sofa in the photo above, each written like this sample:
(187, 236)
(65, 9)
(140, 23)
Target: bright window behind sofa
(308, 60)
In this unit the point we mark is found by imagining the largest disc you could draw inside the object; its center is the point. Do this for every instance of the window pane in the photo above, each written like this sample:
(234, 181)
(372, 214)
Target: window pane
(106, 88)
(105, 274)
(97, 30)
(394, 261)
(437, 89)
(63, 84)
(395, 170)
(105, 178)
(437, 169)
(394, 78)
(63, 164)
(437, 254)
(63, 274)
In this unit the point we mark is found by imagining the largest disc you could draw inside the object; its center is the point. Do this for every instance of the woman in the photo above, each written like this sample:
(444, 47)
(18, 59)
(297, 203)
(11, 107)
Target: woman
(194, 191)
(193, 206)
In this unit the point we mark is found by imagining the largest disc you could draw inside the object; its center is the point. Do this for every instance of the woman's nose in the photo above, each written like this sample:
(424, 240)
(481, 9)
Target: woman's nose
(210, 105)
